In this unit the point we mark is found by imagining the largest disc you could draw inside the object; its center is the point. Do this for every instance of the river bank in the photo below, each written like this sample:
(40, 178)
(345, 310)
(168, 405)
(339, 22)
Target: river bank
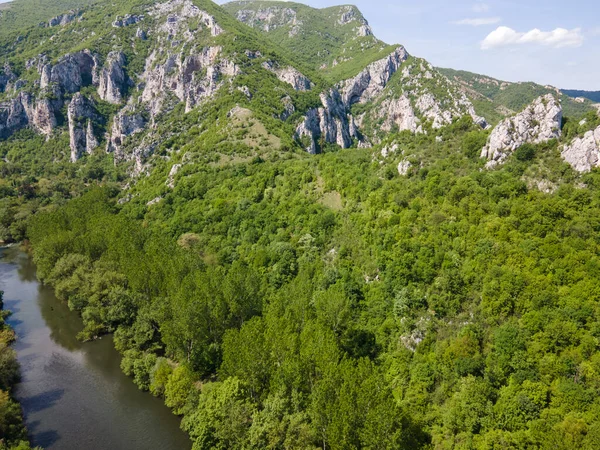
(74, 394)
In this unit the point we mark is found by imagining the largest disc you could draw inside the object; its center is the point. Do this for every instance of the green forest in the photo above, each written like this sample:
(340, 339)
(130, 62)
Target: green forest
(327, 302)
(396, 294)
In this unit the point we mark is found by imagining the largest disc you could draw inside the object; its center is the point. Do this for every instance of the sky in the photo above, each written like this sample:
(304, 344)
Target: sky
(553, 42)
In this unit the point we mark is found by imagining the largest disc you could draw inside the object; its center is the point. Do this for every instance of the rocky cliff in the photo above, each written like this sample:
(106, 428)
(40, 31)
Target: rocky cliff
(373, 79)
(583, 153)
(81, 114)
(539, 122)
(112, 79)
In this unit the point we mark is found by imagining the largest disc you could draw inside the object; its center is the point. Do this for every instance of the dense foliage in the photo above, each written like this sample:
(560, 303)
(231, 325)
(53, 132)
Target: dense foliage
(13, 435)
(281, 300)
(306, 302)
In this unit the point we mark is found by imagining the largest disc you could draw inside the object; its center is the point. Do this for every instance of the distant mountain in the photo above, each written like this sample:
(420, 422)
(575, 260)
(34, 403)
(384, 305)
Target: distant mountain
(495, 99)
(590, 95)
(337, 41)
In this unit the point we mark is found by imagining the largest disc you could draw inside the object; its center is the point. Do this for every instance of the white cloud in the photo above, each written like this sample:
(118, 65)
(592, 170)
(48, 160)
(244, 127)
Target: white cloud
(478, 21)
(561, 37)
(481, 7)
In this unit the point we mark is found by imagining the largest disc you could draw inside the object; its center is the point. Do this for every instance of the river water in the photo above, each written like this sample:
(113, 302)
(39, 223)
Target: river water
(74, 394)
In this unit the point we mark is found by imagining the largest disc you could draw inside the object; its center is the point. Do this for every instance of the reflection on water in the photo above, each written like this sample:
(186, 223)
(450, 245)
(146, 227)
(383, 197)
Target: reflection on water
(74, 394)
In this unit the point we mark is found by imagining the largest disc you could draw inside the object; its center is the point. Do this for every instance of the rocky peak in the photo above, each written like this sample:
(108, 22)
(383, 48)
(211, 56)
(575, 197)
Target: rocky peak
(541, 121)
(350, 14)
(112, 78)
(178, 14)
(81, 113)
(583, 153)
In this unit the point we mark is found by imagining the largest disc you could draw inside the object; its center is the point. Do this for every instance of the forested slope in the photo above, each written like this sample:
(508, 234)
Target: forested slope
(390, 291)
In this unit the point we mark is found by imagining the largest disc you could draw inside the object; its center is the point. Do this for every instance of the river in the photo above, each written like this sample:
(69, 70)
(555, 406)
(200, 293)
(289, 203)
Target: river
(74, 394)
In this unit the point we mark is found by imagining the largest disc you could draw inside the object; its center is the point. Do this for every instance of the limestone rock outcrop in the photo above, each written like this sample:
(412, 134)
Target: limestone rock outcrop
(24, 110)
(330, 123)
(178, 14)
(269, 18)
(72, 72)
(6, 77)
(126, 20)
(290, 76)
(126, 123)
(42, 112)
(112, 79)
(539, 122)
(583, 153)
(81, 113)
(191, 78)
(12, 116)
(373, 79)
(399, 113)
(64, 19)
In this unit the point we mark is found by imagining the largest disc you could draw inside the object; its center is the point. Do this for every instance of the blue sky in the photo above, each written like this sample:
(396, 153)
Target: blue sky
(550, 42)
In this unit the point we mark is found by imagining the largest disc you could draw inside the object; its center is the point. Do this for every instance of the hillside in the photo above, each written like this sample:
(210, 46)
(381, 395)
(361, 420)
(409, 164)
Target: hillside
(590, 95)
(495, 98)
(301, 237)
(337, 41)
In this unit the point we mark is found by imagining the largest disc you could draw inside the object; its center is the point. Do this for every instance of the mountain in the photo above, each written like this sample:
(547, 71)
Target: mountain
(495, 99)
(590, 95)
(337, 41)
(302, 237)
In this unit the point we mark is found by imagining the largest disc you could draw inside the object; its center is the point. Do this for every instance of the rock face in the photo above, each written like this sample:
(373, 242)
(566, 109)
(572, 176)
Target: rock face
(373, 79)
(72, 72)
(331, 123)
(398, 113)
(191, 75)
(6, 77)
(584, 153)
(178, 13)
(290, 76)
(190, 78)
(80, 113)
(269, 18)
(351, 14)
(42, 113)
(539, 122)
(24, 110)
(12, 116)
(112, 79)
(126, 123)
(404, 167)
(64, 19)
